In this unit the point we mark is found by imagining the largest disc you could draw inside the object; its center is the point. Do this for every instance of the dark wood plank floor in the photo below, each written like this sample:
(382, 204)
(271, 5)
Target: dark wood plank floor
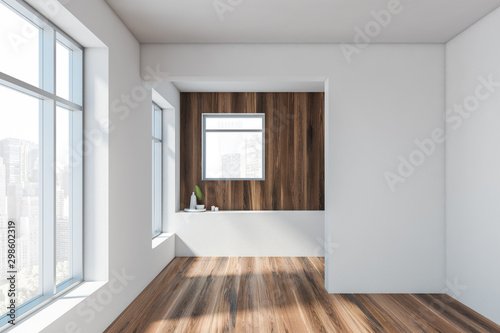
(280, 295)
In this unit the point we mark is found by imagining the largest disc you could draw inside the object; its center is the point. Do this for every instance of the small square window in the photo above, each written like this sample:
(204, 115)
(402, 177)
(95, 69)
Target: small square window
(233, 146)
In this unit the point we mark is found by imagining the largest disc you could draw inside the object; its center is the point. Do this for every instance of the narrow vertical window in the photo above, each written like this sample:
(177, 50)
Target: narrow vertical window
(157, 144)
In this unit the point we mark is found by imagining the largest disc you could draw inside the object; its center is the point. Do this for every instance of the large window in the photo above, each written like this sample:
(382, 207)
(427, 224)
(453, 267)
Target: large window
(157, 168)
(233, 146)
(40, 159)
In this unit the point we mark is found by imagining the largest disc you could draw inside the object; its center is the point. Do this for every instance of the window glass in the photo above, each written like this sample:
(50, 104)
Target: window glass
(62, 71)
(40, 190)
(20, 192)
(63, 193)
(20, 47)
(237, 122)
(233, 155)
(157, 186)
(233, 146)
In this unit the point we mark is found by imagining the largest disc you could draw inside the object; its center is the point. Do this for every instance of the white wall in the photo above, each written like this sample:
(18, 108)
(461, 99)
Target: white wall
(473, 170)
(118, 170)
(390, 242)
(390, 95)
(249, 234)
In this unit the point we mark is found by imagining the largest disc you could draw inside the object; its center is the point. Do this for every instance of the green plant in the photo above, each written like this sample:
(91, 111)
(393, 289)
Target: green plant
(199, 195)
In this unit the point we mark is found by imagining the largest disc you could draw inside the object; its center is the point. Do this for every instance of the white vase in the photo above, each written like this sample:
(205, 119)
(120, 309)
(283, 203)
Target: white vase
(192, 205)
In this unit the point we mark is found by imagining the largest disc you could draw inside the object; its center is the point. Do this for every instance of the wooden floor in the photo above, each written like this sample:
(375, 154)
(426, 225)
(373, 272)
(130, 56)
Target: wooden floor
(280, 295)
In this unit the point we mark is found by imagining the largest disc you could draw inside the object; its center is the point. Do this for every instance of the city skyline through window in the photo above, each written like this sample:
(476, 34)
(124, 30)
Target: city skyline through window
(40, 184)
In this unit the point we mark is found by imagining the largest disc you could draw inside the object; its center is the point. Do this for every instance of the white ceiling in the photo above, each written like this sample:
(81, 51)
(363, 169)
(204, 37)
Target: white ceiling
(296, 21)
(250, 86)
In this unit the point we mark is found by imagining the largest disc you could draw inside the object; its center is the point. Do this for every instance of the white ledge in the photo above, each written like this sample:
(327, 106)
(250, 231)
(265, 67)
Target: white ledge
(161, 238)
(250, 212)
(42, 318)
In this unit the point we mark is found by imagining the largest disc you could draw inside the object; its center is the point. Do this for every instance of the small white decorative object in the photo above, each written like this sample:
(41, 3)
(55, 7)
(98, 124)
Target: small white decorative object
(213, 208)
(200, 206)
(216, 209)
(192, 205)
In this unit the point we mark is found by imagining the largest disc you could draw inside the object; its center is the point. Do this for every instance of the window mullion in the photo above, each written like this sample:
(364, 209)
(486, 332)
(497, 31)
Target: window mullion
(48, 164)
(76, 78)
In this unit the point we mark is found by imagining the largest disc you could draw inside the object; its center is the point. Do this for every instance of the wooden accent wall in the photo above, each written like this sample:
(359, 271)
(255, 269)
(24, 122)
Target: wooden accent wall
(295, 140)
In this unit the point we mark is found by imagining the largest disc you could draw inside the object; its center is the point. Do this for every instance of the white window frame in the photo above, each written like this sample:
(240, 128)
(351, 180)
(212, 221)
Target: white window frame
(46, 93)
(204, 131)
(157, 170)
